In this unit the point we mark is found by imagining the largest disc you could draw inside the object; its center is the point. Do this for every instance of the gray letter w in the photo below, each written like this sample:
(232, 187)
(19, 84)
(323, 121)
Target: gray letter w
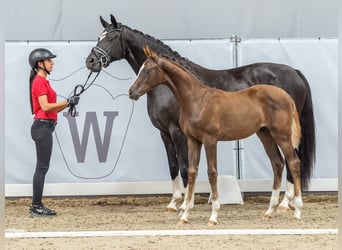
(80, 146)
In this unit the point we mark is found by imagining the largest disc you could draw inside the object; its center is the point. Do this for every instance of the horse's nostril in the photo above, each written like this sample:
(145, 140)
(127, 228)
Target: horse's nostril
(132, 95)
(91, 60)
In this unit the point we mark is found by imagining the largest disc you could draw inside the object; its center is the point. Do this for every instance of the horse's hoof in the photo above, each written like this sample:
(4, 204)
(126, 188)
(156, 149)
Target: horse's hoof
(282, 209)
(297, 218)
(182, 222)
(171, 210)
(267, 218)
(212, 223)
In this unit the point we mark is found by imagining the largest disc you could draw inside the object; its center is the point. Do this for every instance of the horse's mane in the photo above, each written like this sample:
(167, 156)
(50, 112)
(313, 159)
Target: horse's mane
(172, 53)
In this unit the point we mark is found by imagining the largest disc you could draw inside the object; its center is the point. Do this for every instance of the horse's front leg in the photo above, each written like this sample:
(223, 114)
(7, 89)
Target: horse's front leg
(210, 145)
(176, 195)
(174, 170)
(179, 141)
(194, 153)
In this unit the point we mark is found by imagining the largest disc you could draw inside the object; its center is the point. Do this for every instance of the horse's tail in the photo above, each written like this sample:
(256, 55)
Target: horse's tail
(307, 147)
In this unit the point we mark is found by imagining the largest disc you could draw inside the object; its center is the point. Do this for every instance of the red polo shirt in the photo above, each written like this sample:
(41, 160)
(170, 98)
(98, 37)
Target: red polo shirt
(41, 86)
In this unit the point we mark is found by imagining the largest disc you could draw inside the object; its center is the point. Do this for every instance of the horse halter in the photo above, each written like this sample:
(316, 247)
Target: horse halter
(103, 55)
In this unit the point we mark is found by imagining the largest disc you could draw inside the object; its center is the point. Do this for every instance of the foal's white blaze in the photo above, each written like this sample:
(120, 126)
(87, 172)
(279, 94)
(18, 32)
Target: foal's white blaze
(141, 69)
(102, 35)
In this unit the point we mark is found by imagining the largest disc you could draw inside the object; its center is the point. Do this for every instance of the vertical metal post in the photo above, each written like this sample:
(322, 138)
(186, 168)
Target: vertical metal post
(2, 124)
(340, 129)
(235, 40)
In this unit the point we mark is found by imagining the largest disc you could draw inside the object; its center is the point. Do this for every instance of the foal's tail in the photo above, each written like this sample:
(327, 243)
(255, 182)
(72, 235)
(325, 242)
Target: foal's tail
(296, 128)
(307, 147)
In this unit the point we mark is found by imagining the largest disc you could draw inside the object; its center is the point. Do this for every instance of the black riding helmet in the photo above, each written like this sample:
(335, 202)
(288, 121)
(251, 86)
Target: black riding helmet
(39, 55)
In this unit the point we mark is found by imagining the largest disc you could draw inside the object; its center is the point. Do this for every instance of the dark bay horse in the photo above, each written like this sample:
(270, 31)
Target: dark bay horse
(209, 115)
(118, 41)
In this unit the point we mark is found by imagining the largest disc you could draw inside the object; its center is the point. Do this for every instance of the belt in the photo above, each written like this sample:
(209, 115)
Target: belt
(52, 122)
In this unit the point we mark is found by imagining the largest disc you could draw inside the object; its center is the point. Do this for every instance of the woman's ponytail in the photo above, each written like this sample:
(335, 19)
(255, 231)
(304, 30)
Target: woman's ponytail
(32, 76)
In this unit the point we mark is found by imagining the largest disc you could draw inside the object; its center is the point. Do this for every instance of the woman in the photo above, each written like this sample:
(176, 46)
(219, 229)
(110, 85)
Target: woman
(45, 107)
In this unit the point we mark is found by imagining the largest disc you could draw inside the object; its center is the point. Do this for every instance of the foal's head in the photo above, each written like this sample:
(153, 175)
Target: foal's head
(150, 75)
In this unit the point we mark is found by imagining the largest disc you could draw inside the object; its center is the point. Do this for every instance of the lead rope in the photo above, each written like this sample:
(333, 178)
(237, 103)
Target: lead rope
(72, 107)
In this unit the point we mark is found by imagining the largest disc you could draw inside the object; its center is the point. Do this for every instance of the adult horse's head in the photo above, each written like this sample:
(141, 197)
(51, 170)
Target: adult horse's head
(109, 46)
(150, 75)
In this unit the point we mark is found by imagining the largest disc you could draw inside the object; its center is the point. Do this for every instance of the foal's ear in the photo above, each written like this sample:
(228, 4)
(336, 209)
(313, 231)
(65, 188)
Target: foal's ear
(112, 19)
(150, 53)
(147, 51)
(103, 22)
